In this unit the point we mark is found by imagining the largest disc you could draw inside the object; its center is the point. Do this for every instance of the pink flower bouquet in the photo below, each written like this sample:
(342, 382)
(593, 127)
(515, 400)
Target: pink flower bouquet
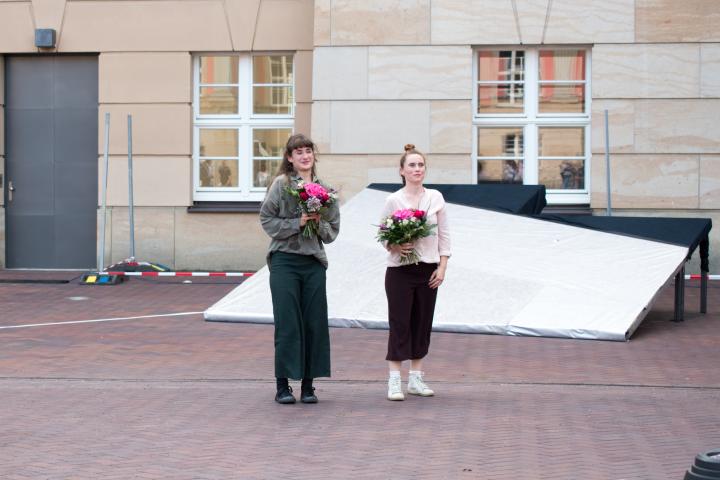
(403, 226)
(312, 198)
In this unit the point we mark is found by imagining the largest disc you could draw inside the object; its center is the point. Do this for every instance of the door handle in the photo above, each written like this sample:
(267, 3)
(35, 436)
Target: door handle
(11, 189)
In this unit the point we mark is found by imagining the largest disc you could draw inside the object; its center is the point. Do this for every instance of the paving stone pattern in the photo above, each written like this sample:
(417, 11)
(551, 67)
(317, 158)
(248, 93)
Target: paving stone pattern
(180, 398)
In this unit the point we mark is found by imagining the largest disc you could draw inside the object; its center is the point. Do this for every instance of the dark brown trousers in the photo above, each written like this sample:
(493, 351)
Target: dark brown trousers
(411, 305)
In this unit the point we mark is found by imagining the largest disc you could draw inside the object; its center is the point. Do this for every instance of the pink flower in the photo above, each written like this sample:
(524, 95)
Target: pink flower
(403, 214)
(315, 190)
(304, 195)
(419, 214)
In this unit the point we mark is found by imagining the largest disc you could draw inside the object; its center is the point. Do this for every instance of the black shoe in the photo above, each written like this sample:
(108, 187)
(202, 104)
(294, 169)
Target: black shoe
(307, 395)
(284, 395)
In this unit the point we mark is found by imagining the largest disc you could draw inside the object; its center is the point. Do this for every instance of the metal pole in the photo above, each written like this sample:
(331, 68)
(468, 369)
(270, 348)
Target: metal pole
(101, 254)
(130, 190)
(607, 165)
(679, 311)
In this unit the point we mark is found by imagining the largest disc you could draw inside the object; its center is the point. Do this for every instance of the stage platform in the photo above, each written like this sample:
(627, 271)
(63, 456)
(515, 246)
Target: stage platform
(512, 272)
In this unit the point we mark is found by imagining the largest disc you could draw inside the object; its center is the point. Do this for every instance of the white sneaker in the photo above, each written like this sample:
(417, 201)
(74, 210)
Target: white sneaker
(416, 385)
(395, 388)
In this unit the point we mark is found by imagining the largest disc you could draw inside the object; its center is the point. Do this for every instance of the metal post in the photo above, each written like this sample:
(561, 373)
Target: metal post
(679, 296)
(703, 291)
(130, 190)
(704, 270)
(607, 164)
(101, 254)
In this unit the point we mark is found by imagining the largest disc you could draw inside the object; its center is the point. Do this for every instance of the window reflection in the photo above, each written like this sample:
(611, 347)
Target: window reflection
(268, 148)
(562, 81)
(562, 152)
(273, 84)
(568, 65)
(501, 65)
(218, 142)
(561, 142)
(562, 98)
(500, 171)
(562, 174)
(218, 100)
(501, 152)
(500, 142)
(218, 69)
(273, 69)
(273, 100)
(502, 98)
(218, 173)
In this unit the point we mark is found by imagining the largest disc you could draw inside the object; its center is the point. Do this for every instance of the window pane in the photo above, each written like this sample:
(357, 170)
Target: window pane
(270, 142)
(562, 65)
(263, 172)
(218, 100)
(561, 142)
(218, 142)
(500, 171)
(218, 173)
(562, 98)
(500, 142)
(503, 98)
(501, 66)
(272, 100)
(273, 69)
(562, 174)
(218, 69)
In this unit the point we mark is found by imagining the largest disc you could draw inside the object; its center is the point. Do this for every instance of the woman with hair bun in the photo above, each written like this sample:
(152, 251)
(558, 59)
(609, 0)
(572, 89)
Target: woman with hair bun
(297, 265)
(412, 289)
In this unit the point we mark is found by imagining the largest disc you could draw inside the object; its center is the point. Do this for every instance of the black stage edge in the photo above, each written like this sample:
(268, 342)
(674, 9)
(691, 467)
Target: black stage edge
(507, 198)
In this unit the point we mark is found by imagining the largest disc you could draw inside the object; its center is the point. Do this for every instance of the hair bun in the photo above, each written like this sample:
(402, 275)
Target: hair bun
(409, 147)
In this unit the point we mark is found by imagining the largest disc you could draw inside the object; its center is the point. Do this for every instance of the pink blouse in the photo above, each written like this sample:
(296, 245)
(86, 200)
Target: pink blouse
(431, 248)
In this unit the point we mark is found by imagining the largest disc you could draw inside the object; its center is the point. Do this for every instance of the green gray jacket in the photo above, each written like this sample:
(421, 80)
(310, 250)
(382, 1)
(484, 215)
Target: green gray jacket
(280, 218)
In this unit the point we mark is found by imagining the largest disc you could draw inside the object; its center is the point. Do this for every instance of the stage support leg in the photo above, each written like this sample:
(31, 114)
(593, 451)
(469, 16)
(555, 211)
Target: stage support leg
(679, 295)
(704, 269)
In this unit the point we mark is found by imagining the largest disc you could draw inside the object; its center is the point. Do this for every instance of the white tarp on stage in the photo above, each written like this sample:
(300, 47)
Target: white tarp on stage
(508, 274)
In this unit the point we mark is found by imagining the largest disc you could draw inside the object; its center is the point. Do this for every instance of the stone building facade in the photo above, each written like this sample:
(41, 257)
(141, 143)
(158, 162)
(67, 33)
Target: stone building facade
(492, 90)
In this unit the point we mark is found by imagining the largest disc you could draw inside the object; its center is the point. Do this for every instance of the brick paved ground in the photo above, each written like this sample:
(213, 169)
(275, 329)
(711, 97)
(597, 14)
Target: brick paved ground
(179, 398)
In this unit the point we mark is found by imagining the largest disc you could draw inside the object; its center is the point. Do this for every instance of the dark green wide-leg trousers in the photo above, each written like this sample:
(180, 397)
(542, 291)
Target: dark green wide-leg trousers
(302, 340)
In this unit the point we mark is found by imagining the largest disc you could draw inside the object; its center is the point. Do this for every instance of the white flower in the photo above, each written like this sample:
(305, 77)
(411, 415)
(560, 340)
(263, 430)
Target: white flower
(314, 204)
(389, 222)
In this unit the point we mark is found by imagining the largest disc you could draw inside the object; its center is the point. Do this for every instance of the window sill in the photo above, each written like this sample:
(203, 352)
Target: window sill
(224, 207)
(571, 209)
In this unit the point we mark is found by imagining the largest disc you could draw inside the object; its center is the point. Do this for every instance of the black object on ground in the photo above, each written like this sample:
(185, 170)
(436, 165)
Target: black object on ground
(706, 466)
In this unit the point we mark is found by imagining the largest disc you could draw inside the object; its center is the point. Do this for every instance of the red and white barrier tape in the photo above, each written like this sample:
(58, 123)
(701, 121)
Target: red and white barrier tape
(179, 274)
(695, 276)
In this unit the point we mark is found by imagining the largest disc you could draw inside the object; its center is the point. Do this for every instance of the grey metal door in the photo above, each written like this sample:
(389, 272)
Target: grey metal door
(51, 125)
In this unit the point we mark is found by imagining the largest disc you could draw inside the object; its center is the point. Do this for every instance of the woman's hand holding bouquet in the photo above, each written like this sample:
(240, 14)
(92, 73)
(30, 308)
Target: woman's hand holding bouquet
(314, 200)
(401, 229)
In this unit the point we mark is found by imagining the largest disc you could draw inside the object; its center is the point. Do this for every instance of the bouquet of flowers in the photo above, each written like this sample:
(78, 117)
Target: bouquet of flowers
(312, 198)
(403, 226)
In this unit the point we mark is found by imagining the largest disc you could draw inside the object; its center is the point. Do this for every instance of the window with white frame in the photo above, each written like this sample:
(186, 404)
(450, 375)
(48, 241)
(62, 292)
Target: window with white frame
(243, 111)
(531, 119)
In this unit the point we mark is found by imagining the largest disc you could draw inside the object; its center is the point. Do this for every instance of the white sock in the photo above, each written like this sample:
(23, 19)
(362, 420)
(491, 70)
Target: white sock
(416, 372)
(394, 373)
